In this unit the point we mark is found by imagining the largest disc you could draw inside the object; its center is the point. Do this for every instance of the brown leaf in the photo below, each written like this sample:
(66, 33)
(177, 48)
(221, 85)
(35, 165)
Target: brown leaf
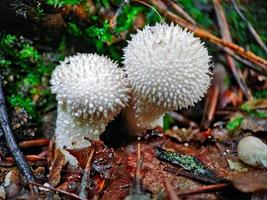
(57, 164)
(251, 181)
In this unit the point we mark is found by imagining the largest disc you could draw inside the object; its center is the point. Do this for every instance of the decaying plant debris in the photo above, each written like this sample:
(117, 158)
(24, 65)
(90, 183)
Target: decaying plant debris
(194, 155)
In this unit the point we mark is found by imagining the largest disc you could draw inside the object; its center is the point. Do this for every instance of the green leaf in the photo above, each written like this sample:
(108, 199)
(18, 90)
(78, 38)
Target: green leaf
(261, 94)
(246, 107)
(31, 80)
(8, 40)
(74, 29)
(260, 114)
(22, 102)
(126, 18)
(167, 122)
(234, 123)
(4, 62)
(28, 52)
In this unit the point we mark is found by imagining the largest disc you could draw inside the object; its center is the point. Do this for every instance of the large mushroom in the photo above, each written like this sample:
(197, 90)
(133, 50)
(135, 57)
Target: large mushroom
(91, 90)
(168, 69)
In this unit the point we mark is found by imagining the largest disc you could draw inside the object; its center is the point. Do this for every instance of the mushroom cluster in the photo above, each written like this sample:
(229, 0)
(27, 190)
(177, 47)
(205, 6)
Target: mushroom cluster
(168, 69)
(91, 90)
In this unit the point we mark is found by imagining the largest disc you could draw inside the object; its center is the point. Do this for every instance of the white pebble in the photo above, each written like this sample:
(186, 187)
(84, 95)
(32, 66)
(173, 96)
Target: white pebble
(252, 151)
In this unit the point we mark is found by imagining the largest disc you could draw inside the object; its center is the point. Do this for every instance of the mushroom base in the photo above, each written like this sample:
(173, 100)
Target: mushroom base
(134, 127)
(74, 133)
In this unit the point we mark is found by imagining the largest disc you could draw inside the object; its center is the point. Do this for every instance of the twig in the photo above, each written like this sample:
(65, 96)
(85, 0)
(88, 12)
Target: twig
(182, 119)
(29, 158)
(170, 191)
(11, 143)
(211, 103)
(208, 36)
(34, 143)
(181, 11)
(86, 174)
(203, 189)
(245, 62)
(226, 35)
(250, 27)
(148, 5)
(138, 177)
(57, 190)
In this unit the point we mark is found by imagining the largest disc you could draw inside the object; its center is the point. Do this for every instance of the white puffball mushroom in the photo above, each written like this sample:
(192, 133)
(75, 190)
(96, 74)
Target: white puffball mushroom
(168, 69)
(252, 151)
(91, 90)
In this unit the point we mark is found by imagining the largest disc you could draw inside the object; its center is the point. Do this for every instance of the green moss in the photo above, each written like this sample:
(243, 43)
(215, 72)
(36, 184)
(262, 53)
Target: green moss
(126, 18)
(252, 111)
(260, 94)
(60, 3)
(74, 29)
(22, 61)
(22, 102)
(28, 52)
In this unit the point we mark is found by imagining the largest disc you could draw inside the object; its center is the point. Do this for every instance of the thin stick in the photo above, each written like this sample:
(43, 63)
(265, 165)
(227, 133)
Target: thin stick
(203, 189)
(208, 36)
(170, 191)
(11, 142)
(29, 158)
(183, 119)
(146, 4)
(181, 11)
(138, 177)
(245, 62)
(34, 143)
(226, 35)
(58, 190)
(250, 27)
(211, 103)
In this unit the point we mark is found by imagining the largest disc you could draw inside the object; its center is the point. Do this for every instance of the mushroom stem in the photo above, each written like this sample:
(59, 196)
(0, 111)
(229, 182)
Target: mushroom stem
(71, 131)
(132, 121)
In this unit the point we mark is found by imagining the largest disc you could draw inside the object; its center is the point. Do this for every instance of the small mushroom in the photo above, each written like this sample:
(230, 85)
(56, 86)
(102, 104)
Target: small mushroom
(168, 69)
(91, 90)
(252, 151)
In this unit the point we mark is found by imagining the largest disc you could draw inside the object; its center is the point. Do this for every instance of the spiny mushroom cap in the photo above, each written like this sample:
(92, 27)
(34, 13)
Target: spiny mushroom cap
(168, 68)
(91, 87)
